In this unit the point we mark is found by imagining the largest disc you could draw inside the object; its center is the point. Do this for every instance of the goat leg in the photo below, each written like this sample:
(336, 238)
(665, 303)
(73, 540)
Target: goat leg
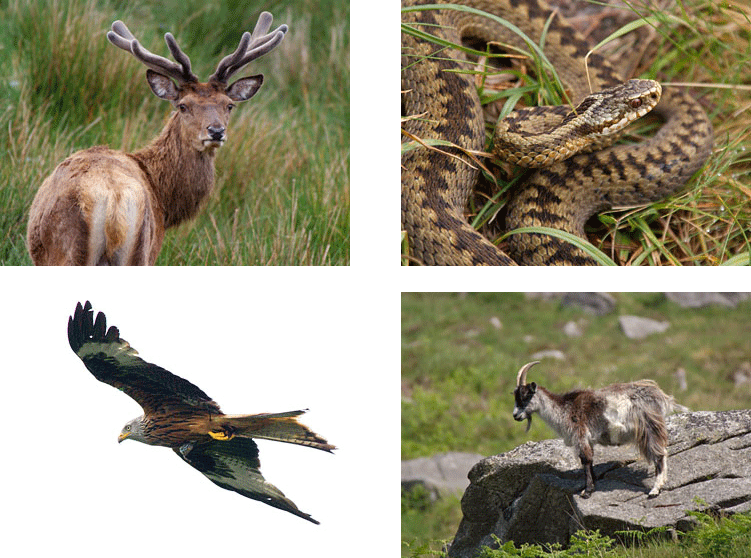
(661, 470)
(586, 455)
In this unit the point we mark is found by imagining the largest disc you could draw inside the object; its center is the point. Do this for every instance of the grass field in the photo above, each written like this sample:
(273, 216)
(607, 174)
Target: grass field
(282, 188)
(460, 355)
(703, 44)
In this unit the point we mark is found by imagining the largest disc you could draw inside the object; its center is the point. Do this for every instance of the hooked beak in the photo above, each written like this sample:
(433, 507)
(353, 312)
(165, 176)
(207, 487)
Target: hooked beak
(122, 437)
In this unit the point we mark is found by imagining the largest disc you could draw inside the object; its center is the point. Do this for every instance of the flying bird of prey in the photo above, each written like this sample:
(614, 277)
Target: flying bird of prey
(178, 415)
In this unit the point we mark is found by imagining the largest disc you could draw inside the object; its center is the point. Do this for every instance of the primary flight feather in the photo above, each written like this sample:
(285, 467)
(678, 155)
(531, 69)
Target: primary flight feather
(179, 415)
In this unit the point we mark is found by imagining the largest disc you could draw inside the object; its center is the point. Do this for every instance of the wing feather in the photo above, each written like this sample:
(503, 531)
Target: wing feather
(113, 361)
(234, 465)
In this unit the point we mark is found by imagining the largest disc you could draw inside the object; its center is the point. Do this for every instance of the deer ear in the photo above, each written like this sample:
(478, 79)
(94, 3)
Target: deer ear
(244, 88)
(162, 86)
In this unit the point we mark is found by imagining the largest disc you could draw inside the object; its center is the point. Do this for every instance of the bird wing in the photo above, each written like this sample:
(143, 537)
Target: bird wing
(113, 361)
(234, 465)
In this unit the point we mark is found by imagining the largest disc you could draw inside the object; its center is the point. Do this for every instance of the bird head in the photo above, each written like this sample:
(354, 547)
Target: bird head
(133, 430)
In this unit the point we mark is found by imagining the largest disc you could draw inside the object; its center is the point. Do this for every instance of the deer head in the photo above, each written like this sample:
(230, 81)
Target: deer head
(203, 108)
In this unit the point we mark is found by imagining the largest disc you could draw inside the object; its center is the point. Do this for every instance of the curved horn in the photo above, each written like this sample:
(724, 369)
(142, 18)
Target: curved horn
(521, 378)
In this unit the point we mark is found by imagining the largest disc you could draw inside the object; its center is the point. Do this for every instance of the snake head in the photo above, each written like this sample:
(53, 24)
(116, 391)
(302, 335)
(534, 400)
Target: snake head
(608, 111)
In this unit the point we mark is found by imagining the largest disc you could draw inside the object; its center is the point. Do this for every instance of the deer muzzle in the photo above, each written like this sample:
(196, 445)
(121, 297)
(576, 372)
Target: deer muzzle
(216, 136)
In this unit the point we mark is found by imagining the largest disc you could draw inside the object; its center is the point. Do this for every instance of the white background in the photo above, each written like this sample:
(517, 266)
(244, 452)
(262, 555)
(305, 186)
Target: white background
(255, 340)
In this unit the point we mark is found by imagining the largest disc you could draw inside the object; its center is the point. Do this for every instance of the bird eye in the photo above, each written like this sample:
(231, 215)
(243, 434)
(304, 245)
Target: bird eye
(127, 427)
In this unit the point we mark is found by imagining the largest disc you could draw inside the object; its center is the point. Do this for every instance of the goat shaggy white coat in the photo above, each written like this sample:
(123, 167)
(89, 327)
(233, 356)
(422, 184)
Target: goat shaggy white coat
(629, 413)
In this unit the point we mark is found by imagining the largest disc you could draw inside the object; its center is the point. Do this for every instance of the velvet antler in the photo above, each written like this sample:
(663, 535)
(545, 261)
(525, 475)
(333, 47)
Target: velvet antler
(251, 46)
(121, 37)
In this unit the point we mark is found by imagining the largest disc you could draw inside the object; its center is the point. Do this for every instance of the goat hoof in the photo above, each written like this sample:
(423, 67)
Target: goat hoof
(652, 495)
(585, 494)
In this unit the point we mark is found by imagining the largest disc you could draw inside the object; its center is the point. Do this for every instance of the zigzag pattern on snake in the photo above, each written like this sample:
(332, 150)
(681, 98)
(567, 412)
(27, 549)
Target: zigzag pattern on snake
(441, 95)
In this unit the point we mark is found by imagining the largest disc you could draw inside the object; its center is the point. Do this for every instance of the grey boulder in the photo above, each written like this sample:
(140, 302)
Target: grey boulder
(531, 493)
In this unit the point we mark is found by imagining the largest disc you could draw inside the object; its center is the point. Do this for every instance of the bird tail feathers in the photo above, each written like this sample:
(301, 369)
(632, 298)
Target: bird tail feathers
(280, 427)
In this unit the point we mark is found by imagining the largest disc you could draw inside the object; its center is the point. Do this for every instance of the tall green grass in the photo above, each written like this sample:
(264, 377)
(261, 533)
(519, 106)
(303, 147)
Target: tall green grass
(282, 188)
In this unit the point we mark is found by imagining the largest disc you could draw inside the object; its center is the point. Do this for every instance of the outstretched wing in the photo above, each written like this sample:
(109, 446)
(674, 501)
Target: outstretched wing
(234, 465)
(113, 361)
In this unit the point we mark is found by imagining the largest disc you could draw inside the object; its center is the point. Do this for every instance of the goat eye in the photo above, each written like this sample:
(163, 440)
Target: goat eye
(230, 107)
(182, 107)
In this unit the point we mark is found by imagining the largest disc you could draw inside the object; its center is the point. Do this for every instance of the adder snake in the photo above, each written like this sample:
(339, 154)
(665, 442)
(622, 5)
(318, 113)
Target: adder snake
(441, 96)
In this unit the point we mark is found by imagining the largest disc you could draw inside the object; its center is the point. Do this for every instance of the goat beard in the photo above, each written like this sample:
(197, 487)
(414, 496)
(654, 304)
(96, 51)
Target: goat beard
(529, 423)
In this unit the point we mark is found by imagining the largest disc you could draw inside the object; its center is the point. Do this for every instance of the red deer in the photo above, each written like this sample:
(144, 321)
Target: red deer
(107, 207)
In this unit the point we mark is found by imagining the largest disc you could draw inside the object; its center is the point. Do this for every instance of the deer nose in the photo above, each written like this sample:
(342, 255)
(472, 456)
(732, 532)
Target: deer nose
(216, 133)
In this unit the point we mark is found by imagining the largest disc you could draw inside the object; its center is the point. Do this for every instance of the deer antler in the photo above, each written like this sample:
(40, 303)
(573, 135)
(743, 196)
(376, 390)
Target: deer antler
(121, 37)
(250, 47)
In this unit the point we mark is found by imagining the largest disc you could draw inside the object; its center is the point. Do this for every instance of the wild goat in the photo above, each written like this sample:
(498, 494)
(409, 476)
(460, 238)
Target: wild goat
(612, 416)
(106, 207)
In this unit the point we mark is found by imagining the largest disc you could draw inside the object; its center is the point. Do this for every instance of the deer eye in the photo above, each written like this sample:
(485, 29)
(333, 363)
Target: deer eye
(230, 107)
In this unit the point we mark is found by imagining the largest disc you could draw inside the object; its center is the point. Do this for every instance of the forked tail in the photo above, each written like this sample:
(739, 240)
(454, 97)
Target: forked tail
(280, 427)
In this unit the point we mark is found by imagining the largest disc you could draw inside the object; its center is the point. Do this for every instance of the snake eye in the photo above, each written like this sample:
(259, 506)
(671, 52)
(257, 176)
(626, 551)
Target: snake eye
(635, 103)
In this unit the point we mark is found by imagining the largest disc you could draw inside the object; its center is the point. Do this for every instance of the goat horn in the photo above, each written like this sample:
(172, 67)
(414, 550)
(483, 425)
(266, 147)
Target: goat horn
(521, 378)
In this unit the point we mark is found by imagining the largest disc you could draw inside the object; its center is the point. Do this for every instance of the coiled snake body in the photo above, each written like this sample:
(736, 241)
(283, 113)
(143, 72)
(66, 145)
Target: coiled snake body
(442, 96)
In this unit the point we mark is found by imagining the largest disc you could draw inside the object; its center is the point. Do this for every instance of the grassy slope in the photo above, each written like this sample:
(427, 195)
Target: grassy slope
(458, 370)
(282, 192)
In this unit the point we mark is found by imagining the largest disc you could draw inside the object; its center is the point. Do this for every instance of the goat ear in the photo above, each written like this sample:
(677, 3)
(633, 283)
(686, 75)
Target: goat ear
(162, 86)
(532, 386)
(244, 88)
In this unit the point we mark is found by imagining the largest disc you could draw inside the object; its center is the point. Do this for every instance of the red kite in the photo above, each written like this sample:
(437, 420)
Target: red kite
(178, 415)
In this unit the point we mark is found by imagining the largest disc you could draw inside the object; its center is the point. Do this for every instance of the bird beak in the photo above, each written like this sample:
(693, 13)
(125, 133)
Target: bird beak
(122, 437)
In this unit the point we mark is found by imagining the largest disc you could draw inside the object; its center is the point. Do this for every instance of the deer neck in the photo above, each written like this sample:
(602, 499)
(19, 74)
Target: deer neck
(181, 177)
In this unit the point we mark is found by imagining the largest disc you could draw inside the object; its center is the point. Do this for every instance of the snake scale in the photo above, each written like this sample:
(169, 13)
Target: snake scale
(441, 98)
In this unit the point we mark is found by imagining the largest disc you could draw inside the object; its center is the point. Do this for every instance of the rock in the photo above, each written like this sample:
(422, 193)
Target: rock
(543, 296)
(531, 494)
(548, 353)
(680, 375)
(742, 375)
(597, 304)
(593, 303)
(635, 327)
(441, 474)
(572, 329)
(699, 300)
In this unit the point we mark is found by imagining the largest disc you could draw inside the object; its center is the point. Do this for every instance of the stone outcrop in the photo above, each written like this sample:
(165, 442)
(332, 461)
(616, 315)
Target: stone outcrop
(636, 327)
(531, 494)
(445, 473)
(700, 300)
